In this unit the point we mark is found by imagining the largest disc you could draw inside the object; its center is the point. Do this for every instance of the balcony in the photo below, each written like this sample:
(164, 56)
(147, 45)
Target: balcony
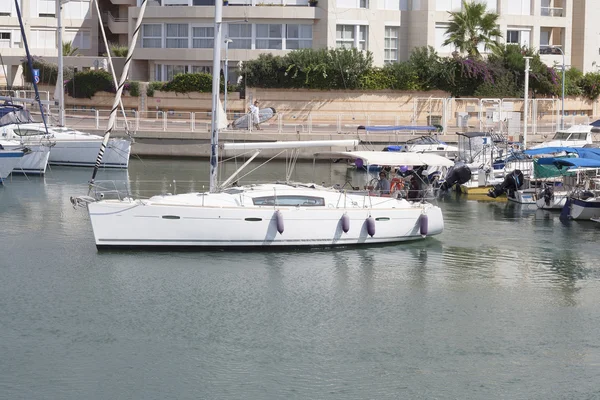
(116, 25)
(171, 3)
(552, 12)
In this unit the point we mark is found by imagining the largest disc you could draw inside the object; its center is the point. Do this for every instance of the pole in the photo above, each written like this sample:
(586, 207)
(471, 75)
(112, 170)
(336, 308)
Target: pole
(226, 73)
(562, 117)
(526, 107)
(60, 77)
(214, 121)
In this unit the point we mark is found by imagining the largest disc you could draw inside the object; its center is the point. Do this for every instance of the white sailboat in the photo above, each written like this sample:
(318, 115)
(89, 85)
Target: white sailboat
(36, 161)
(9, 159)
(263, 215)
(70, 147)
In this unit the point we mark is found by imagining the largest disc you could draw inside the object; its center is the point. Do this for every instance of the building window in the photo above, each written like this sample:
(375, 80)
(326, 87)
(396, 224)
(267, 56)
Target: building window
(391, 45)
(269, 36)
(203, 37)
(172, 70)
(440, 38)
(363, 3)
(344, 36)
(158, 72)
(79, 38)
(241, 36)
(348, 36)
(4, 42)
(152, 36)
(177, 36)
(298, 37)
(197, 69)
(363, 37)
(512, 37)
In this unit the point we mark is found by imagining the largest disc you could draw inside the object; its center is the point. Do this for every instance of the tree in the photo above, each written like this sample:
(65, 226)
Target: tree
(68, 49)
(472, 27)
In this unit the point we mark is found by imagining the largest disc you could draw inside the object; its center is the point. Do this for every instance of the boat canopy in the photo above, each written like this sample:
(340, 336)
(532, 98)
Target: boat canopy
(14, 114)
(398, 128)
(582, 152)
(389, 158)
(571, 162)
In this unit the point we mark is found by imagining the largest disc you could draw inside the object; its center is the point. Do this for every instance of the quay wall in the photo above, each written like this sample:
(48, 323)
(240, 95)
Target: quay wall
(197, 144)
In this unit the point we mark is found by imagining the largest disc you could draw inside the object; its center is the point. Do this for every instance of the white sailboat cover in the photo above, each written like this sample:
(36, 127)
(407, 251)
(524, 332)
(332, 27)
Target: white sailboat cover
(390, 158)
(221, 117)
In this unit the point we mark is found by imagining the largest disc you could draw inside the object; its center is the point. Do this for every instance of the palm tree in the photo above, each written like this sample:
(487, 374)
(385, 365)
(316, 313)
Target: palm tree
(471, 27)
(68, 49)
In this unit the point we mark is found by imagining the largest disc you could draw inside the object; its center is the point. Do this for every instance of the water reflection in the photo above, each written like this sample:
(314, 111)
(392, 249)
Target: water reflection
(500, 243)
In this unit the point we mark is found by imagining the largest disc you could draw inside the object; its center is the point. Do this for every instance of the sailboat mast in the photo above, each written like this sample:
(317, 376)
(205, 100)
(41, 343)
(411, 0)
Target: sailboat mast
(216, 75)
(60, 78)
(113, 110)
(30, 64)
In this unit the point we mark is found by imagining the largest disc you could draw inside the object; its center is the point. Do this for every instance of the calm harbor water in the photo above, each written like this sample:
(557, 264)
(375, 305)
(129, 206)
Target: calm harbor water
(503, 305)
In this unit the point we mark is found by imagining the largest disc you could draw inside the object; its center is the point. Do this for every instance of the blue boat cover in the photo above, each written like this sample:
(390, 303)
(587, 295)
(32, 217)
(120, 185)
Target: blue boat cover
(596, 123)
(398, 128)
(570, 162)
(550, 150)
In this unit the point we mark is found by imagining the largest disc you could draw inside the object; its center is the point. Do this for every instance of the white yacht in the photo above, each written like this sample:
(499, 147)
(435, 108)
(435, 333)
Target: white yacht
(71, 147)
(575, 136)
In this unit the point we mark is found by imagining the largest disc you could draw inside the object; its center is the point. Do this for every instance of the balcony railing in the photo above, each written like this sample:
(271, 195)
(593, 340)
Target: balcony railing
(552, 12)
(235, 2)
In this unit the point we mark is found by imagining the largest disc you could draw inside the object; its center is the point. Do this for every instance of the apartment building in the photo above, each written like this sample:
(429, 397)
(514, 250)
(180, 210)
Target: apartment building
(177, 35)
(586, 35)
(542, 24)
(80, 27)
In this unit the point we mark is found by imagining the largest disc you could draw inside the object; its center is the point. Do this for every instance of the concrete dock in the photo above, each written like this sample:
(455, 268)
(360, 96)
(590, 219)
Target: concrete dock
(197, 144)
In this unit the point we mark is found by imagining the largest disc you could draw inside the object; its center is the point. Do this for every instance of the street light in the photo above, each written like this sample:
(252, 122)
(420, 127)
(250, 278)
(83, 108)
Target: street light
(225, 72)
(526, 105)
(562, 117)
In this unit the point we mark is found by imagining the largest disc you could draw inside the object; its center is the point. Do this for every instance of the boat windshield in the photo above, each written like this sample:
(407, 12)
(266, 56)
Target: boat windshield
(423, 140)
(570, 136)
(289, 200)
(28, 131)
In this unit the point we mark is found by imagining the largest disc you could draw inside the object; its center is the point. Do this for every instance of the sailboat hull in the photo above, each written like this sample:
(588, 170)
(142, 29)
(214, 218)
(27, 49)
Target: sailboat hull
(9, 159)
(33, 163)
(83, 153)
(144, 223)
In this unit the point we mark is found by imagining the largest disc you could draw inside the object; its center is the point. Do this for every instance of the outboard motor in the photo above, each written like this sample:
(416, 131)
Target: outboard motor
(456, 175)
(512, 181)
(548, 194)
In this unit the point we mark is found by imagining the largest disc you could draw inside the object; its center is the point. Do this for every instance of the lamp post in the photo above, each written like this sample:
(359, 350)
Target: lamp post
(526, 106)
(562, 116)
(225, 73)
(60, 78)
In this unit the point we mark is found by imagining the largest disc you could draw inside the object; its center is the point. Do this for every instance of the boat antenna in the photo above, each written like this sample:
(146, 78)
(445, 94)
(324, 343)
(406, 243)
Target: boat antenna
(214, 140)
(30, 64)
(113, 110)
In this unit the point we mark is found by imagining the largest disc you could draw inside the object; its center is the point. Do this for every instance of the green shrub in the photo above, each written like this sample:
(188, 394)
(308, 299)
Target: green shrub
(590, 85)
(376, 79)
(86, 84)
(403, 76)
(153, 86)
(48, 71)
(185, 83)
(134, 89)
(118, 50)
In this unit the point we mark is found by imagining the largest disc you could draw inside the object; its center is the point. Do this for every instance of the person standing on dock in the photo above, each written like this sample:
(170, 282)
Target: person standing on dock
(254, 115)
